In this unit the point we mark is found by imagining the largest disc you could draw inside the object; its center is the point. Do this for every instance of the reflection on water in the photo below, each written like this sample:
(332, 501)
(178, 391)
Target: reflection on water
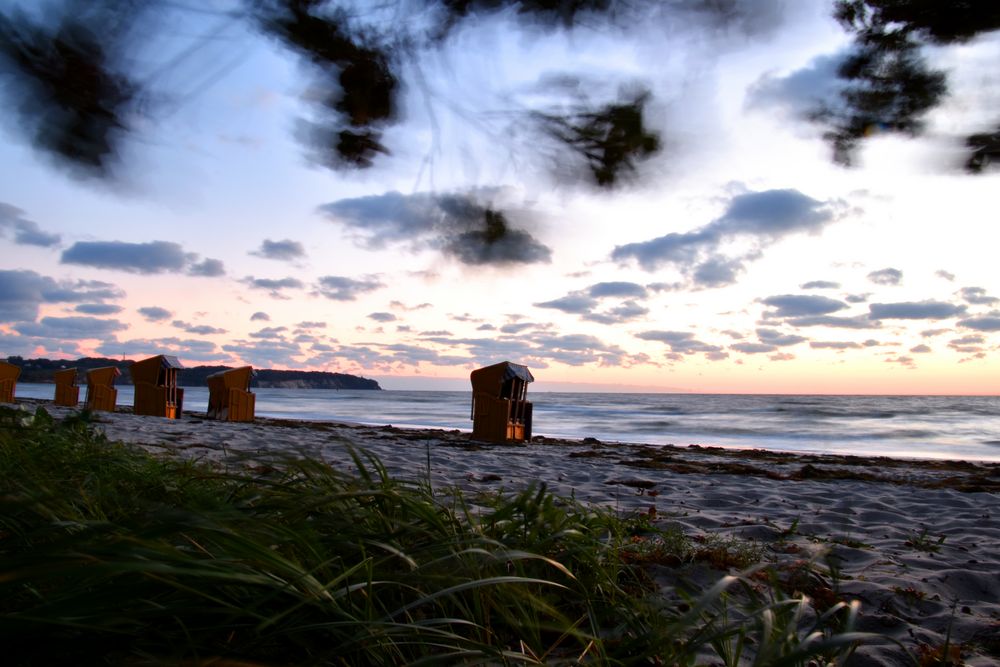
(916, 426)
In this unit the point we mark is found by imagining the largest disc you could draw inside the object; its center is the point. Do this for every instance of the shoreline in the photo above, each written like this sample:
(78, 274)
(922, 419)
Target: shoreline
(917, 543)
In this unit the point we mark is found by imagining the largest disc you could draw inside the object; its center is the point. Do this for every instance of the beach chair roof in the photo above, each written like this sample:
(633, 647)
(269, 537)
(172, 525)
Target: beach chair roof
(499, 373)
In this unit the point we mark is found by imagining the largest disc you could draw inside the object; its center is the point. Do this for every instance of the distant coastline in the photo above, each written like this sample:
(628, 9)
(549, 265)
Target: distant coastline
(41, 370)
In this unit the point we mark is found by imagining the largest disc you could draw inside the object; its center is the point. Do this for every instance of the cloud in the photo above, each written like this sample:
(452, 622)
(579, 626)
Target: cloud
(198, 329)
(98, 308)
(382, 317)
(802, 305)
(987, 323)
(266, 353)
(207, 268)
(617, 289)
(576, 303)
(143, 258)
(188, 349)
(835, 345)
(856, 322)
(260, 316)
(311, 325)
(775, 337)
(155, 313)
(285, 251)
(682, 343)
(946, 275)
(920, 349)
(341, 288)
(463, 226)
(758, 219)
(21, 293)
(752, 348)
(914, 310)
(23, 231)
(273, 285)
(888, 276)
(74, 327)
(270, 333)
(819, 284)
(801, 93)
(978, 296)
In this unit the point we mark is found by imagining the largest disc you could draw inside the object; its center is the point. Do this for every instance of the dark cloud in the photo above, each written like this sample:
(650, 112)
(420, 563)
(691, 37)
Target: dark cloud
(760, 218)
(270, 333)
(576, 303)
(155, 313)
(21, 292)
(273, 285)
(682, 343)
(266, 353)
(74, 327)
(382, 317)
(978, 296)
(914, 310)
(260, 316)
(517, 327)
(617, 289)
(207, 268)
(856, 322)
(930, 333)
(311, 325)
(144, 258)
(23, 231)
(775, 337)
(341, 288)
(834, 345)
(888, 276)
(753, 348)
(920, 349)
(197, 329)
(98, 308)
(947, 275)
(586, 304)
(802, 305)
(463, 226)
(819, 284)
(967, 344)
(186, 348)
(986, 323)
(799, 94)
(286, 250)
(857, 298)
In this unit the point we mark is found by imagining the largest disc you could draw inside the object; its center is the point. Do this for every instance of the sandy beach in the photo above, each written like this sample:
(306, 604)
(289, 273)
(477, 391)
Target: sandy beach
(917, 543)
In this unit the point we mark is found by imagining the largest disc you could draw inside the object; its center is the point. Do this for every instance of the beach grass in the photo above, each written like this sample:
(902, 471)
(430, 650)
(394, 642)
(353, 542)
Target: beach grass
(110, 555)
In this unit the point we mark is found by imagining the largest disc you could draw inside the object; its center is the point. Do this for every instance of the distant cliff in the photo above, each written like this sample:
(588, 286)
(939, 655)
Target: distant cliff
(40, 370)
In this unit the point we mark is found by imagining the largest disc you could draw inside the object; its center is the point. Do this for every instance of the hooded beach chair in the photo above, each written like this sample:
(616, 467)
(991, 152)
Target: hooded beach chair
(156, 390)
(101, 392)
(67, 391)
(500, 412)
(229, 397)
(8, 381)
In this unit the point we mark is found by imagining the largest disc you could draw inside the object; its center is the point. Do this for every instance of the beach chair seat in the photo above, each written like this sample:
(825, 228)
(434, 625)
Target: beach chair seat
(101, 392)
(229, 396)
(8, 381)
(500, 412)
(156, 390)
(67, 391)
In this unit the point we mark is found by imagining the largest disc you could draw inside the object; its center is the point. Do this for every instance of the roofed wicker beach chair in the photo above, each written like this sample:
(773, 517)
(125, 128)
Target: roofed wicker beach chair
(101, 392)
(67, 391)
(229, 396)
(8, 381)
(500, 412)
(156, 390)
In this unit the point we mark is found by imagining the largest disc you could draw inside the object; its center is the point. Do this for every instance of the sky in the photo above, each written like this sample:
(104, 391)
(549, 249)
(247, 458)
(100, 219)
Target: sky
(738, 259)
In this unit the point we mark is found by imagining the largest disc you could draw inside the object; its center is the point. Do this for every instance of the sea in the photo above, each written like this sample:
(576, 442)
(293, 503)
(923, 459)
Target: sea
(919, 427)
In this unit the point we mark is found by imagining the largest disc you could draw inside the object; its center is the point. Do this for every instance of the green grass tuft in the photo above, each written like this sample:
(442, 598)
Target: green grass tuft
(128, 558)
